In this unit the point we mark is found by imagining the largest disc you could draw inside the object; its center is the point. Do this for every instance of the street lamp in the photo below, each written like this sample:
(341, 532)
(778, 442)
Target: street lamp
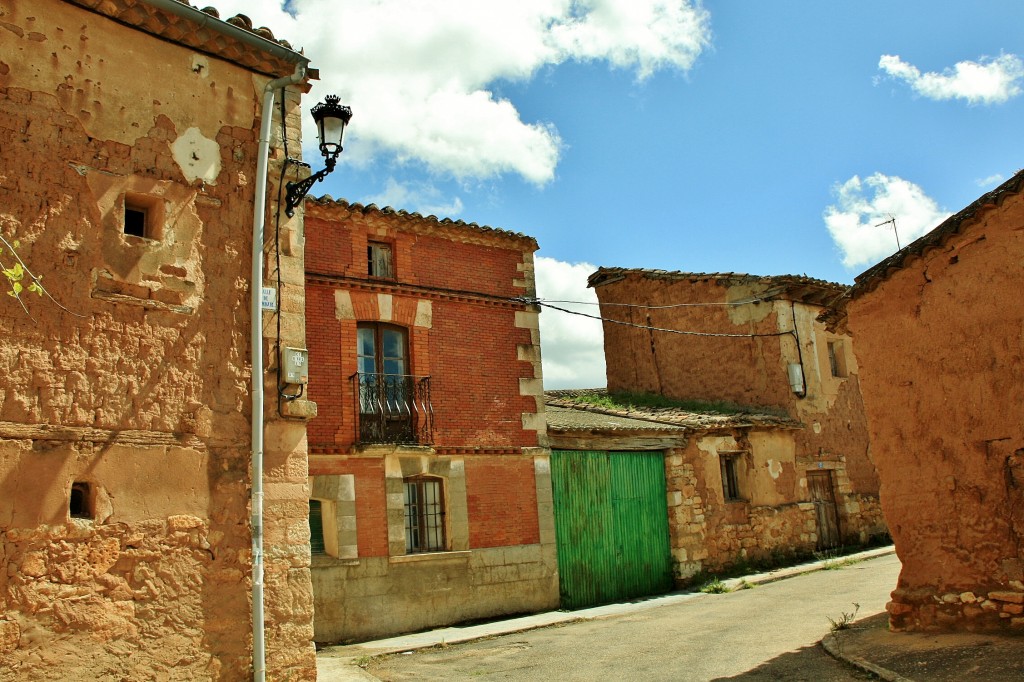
(331, 119)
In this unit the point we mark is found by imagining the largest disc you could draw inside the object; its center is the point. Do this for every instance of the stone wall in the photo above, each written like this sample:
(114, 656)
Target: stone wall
(124, 425)
(501, 545)
(774, 519)
(939, 344)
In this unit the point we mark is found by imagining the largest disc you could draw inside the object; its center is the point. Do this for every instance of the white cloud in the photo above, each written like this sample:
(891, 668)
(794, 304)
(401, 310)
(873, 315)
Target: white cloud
(417, 197)
(853, 221)
(572, 346)
(986, 81)
(990, 181)
(418, 74)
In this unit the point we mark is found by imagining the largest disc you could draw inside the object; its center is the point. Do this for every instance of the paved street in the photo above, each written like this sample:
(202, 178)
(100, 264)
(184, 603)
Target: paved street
(769, 632)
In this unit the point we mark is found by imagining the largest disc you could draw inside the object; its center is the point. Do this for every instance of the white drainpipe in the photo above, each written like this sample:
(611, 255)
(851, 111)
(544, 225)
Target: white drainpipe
(259, 652)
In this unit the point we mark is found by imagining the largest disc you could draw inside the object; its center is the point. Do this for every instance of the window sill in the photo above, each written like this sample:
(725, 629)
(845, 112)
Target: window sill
(430, 556)
(328, 561)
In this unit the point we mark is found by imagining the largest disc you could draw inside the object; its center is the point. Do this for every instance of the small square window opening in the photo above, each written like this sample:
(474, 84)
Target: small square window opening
(837, 359)
(135, 220)
(80, 502)
(143, 216)
(379, 260)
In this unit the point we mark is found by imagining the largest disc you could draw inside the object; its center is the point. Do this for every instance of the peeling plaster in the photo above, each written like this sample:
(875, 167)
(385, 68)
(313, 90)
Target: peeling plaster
(774, 468)
(197, 156)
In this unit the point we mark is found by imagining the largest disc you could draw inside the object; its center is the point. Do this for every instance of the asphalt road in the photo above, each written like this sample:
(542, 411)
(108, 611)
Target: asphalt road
(766, 633)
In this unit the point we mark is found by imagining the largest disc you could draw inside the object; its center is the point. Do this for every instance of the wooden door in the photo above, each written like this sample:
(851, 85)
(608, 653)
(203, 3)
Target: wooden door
(823, 496)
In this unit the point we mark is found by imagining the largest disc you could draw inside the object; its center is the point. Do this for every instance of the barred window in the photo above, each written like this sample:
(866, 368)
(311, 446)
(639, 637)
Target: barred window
(317, 545)
(424, 515)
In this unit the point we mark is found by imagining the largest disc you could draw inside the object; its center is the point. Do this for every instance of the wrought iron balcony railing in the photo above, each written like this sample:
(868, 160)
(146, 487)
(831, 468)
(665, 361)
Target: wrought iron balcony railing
(393, 408)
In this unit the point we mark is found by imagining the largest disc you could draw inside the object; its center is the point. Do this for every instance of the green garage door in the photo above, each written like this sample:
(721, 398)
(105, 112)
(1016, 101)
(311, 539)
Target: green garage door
(611, 523)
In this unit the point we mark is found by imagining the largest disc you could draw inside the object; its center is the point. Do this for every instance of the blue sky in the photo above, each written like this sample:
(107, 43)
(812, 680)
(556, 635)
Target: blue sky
(727, 136)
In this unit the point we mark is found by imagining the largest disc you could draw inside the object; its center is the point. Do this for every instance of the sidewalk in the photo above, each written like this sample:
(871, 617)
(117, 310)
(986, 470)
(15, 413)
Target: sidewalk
(913, 656)
(341, 663)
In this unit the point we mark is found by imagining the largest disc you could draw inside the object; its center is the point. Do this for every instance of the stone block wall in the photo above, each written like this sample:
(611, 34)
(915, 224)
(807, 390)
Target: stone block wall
(500, 558)
(775, 518)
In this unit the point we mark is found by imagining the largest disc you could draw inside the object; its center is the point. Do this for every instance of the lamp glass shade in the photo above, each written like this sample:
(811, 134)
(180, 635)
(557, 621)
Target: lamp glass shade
(331, 119)
(331, 129)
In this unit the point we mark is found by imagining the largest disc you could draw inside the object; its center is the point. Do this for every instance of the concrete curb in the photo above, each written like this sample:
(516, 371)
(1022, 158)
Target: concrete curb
(831, 644)
(332, 662)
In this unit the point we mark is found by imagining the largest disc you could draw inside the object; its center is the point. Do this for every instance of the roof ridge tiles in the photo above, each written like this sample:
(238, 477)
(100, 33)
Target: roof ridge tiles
(327, 201)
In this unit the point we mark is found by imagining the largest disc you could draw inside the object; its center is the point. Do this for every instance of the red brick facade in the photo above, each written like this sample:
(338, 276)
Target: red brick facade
(453, 293)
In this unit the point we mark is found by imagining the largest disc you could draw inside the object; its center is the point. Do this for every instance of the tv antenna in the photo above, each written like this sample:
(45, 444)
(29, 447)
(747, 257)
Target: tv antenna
(892, 221)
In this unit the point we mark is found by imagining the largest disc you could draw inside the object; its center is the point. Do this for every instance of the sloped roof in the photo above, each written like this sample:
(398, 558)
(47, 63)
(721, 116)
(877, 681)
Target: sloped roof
(580, 419)
(672, 419)
(234, 39)
(789, 287)
(956, 224)
(417, 222)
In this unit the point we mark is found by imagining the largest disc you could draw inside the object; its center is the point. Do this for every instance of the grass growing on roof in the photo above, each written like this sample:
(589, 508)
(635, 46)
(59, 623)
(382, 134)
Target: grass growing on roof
(634, 401)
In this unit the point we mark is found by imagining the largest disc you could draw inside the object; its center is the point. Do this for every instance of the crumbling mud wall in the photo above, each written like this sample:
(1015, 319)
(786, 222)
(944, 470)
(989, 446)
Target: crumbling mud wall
(745, 333)
(124, 410)
(939, 344)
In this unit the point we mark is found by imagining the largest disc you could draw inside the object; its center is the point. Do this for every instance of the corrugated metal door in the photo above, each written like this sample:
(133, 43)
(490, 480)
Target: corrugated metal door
(611, 523)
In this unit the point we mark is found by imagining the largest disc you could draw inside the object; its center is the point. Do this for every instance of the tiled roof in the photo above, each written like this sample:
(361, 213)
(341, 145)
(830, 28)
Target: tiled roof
(415, 220)
(203, 30)
(579, 419)
(796, 287)
(870, 279)
(650, 418)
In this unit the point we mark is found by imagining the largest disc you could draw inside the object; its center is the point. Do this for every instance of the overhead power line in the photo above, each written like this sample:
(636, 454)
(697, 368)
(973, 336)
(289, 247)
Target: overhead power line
(658, 307)
(626, 323)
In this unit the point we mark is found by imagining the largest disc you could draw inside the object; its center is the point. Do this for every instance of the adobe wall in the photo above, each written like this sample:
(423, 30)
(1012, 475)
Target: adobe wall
(746, 371)
(499, 527)
(939, 345)
(739, 370)
(138, 386)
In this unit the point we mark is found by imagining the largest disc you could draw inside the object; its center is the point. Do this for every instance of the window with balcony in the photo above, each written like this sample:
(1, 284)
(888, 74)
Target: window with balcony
(393, 405)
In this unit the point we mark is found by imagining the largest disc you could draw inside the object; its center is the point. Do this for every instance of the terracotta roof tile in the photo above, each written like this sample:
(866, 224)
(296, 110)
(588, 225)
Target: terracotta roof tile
(867, 281)
(795, 287)
(411, 220)
(648, 418)
(203, 34)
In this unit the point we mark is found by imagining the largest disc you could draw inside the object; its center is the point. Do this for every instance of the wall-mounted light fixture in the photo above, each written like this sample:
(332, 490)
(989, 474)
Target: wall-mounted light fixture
(331, 119)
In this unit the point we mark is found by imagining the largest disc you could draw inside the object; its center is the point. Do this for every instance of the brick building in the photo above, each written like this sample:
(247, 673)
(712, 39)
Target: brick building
(125, 543)
(791, 470)
(938, 331)
(429, 467)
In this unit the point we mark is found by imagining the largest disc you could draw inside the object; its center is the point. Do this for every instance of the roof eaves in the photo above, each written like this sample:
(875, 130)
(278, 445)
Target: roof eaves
(797, 287)
(955, 224)
(411, 219)
(177, 21)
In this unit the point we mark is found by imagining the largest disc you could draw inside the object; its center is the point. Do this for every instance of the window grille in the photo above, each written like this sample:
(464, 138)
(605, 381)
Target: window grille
(424, 516)
(316, 528)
